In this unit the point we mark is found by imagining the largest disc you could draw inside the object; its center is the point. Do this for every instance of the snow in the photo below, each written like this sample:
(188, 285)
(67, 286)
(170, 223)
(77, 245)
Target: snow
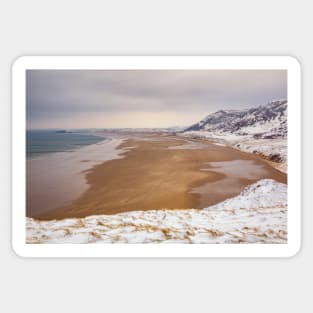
(264, 193)
(261, 130)
(257, 215)
(270, 149)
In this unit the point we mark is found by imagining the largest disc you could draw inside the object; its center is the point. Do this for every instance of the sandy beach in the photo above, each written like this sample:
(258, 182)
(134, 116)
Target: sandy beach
(158, 171)
(56, 179)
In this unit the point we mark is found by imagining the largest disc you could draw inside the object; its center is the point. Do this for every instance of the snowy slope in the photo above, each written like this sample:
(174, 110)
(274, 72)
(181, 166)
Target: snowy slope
(264, 193)
(257, 215)
(261, 130)
(265, 121)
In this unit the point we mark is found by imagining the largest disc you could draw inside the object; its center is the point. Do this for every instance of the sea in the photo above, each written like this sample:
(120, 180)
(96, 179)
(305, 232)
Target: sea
(57, 162)
(43, 142)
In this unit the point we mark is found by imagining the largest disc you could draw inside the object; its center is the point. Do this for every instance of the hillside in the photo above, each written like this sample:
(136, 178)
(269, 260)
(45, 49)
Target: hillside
(265, 121)
(261, 130)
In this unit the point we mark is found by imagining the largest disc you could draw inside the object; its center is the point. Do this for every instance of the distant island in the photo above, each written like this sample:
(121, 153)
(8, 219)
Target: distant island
(63, 132)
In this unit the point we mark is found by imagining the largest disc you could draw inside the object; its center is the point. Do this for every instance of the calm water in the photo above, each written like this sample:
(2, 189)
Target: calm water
(39, 142)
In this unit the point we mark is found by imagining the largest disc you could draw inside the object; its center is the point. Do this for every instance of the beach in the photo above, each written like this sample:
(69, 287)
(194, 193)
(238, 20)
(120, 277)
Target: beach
(58, 178)
(145, 172)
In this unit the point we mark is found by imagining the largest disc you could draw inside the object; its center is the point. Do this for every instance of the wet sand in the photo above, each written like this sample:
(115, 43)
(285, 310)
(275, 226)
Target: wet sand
(56, 179)
(159, 172)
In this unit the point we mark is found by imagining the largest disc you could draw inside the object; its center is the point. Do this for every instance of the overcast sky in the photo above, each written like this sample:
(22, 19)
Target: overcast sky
(143, 98)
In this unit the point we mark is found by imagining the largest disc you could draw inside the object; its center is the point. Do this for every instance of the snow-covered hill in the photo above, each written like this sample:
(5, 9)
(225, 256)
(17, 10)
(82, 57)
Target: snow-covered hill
(261, 130)
(257, 215)
(265, 121)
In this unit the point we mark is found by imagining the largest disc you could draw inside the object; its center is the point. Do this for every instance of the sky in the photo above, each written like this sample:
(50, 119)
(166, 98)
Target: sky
(143, 98)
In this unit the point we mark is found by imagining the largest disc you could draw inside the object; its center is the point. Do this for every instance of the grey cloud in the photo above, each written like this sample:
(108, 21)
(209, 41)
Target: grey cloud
(53, 94)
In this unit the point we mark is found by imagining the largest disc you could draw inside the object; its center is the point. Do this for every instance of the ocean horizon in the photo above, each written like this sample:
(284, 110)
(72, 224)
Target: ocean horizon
(45, 141)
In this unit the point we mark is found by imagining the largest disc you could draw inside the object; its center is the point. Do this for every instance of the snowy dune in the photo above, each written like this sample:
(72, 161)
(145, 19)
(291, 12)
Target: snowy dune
(257, 215)
(271, 149)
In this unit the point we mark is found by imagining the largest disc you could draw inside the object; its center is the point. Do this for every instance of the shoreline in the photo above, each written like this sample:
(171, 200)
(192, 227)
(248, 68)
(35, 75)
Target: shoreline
(57, 178)
(159, 172)
(267, 149)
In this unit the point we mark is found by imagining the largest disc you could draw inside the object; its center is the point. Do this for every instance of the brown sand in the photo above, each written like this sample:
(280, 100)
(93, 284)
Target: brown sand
(152, 176)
